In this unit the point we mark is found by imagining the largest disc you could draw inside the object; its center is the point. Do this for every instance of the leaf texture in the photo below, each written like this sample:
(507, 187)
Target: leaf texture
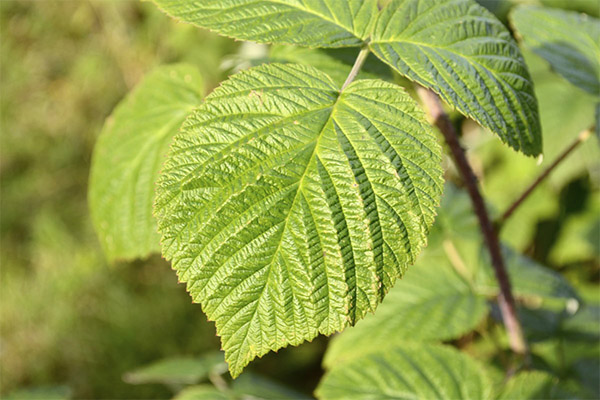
(128, 157)
(462, 52)
(568, 40)
(320, 23)
(413, 371)
(290, 208)
(433, 302)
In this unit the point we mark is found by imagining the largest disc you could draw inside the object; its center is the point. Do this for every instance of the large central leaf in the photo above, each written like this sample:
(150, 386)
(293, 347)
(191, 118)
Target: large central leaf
(290, 208)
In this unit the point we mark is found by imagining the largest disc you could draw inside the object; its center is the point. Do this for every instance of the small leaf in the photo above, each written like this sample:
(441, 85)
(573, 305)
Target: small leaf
(462, 52)
(434, 302)
(256, 387)
(179, 370)
(129, 154)
(568, 40)
(412, 371)
(203, 392)
(320, 23)
(290, 208)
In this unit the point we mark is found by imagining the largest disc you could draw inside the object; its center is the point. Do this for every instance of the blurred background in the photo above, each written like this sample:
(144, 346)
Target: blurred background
(72, 323)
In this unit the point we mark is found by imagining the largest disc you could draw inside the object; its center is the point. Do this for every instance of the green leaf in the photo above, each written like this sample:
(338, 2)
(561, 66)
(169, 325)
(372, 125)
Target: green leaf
(128, 157)
(177, 370)
(462, 52)
(319, 23)
(203, 392)
(434, 302)
(534, 385)
(413, 371)
(529, 279)
(252, 386)
(568, 40)
(290, 209)
(40, 393)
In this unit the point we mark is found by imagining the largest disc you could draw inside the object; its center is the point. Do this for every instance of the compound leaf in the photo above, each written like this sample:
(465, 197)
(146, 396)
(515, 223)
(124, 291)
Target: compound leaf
(320, 23)
(569, 41)
(128, 157)
(462, 52)
(412, 371)
(290, 208)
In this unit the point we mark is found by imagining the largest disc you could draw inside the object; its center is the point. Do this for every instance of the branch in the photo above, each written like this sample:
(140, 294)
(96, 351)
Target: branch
(506, 300)
(582, 137)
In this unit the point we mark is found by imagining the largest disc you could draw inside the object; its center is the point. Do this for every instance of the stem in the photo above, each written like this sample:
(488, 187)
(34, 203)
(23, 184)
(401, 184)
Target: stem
(506, 300)
(360, 60)
(582, 137)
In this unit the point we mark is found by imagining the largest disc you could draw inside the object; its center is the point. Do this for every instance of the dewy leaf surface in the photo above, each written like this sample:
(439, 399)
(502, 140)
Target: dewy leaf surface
(129, 154)
(290, 209)
(568, 40)
(320, 23)
(410, 371)
(462, 52)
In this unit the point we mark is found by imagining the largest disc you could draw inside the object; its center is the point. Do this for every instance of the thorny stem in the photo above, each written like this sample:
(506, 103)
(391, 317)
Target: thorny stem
(582, 137)
(506, 300)
(360, 60)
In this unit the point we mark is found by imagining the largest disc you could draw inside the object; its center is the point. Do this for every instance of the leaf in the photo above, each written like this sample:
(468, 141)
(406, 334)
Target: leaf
(290, 209)
(433, 303)
(40, 393)
(129, 154)
(567, 40)
(529, 279)
(320, 23)
(413, 371)
(256, 387)
(462, 52)
(203, 392)
(177, 370)
(534, 385)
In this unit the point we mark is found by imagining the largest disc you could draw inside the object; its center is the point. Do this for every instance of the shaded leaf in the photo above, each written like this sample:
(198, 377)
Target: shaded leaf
(412, 371)
(534, 385)
(203, 392)
(181, 370)
(433, 302)
(462, 52)
(259, 387)
(129, 154)
(568, 40)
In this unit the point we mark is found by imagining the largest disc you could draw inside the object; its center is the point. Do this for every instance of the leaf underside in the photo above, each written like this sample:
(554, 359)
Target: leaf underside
(569, 41)
(290, 209)
(462, 52)
(129, 154)
(413, 371)
(321, 23)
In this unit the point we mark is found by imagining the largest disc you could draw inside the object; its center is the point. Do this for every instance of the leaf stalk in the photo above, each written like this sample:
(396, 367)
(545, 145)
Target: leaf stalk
(360, 60)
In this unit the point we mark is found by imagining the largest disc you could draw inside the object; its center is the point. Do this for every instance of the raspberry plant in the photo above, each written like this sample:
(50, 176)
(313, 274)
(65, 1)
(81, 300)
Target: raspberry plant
(291, 201)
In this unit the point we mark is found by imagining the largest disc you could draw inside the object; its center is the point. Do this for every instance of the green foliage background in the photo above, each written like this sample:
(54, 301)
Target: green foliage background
(70, 319)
